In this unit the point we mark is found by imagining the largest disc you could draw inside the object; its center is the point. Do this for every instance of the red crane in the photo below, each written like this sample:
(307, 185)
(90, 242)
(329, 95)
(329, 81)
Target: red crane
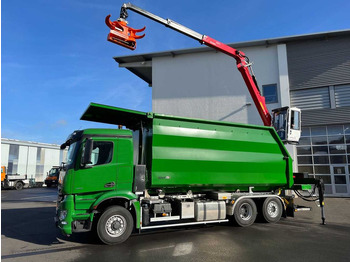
(286, 120)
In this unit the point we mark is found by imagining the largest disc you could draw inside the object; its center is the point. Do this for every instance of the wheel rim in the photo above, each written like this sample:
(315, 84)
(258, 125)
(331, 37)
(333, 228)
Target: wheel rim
(245, 212)
(115, 226)
(272, 209)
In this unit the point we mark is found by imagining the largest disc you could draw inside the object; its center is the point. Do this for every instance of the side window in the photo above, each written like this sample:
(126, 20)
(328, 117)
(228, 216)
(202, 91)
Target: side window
(102, 153)
(295, 120)
(270, 93)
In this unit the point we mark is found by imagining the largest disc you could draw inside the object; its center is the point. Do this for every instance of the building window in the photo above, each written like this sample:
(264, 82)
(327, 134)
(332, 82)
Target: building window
(270, 93)
(324, 152)
(40, 160)
(12, 165)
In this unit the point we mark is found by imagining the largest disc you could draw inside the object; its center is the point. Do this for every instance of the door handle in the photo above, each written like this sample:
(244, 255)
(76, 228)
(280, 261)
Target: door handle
(110, 184)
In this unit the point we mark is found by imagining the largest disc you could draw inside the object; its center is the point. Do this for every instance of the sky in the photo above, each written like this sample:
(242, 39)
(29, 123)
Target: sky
(55, 59)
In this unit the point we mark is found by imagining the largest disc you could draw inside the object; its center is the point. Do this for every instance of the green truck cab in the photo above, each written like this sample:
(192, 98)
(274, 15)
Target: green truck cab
(164, 171)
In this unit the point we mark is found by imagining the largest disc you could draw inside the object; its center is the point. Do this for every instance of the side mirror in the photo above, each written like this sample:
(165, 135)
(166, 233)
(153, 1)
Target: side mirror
(86, 157)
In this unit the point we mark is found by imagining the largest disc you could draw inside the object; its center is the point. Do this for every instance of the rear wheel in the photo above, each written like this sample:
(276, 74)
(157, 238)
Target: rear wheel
(245, 212)
(272, 210)
(18, 185)
(115, 225)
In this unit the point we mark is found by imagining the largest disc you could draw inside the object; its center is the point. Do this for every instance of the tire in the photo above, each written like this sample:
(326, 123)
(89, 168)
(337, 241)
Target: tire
(115, 225)
(19, 185)
(48, 185)
(272, 210)
(245, 212)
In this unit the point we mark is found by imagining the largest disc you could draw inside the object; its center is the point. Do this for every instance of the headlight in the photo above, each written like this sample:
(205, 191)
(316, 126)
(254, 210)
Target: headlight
(63, 215)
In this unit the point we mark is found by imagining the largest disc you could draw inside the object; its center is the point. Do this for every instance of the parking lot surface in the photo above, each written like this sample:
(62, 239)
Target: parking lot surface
(28, 233)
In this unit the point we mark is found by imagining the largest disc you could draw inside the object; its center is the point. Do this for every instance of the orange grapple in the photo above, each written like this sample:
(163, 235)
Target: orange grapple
(122, 34)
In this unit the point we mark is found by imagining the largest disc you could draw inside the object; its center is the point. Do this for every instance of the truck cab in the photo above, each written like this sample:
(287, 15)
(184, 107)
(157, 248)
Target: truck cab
(98, 172)
(287, 123)
(52, 176)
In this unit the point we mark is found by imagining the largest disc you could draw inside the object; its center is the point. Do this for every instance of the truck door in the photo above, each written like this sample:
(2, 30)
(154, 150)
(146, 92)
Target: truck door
(101, 173)
(294, 125)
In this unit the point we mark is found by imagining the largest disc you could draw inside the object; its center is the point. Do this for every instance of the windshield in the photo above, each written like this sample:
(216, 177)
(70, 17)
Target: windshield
(279, 123)
(71, 153)
(54, 172)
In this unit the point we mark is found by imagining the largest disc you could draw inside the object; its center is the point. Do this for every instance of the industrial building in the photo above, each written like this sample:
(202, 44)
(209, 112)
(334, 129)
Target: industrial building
(311, 72)
(30, 158)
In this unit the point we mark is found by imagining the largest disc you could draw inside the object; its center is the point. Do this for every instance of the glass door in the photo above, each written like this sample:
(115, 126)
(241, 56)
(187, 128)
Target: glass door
(340, 180)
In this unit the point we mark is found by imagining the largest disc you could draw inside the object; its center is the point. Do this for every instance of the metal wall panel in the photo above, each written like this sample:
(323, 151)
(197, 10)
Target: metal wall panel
(327, 116)
(321, 62)
(5, 149)
(314, 98)
(342, 95)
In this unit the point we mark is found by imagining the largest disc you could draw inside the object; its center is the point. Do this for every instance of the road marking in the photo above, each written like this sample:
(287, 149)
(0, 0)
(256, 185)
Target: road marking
(183, 249)
(156, 248)
(42, 251)
(36, 197)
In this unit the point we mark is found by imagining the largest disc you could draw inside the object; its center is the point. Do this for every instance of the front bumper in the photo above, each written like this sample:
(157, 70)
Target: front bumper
(51, 182)
(65, 222)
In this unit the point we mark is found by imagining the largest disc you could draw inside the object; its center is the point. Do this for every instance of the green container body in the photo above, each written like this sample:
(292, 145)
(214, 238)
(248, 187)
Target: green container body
(205, 155)
(201, 155)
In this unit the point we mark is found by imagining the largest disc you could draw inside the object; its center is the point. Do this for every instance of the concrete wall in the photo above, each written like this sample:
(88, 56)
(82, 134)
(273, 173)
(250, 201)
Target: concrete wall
(208, 85)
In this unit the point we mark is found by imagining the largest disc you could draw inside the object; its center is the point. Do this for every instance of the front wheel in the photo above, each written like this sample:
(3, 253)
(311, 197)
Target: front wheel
(272, 210)
(245, 212)
(19, 185)
(115, 225)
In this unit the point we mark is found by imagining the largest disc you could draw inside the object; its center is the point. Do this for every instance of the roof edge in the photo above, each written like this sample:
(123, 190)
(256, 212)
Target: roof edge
(266, 41)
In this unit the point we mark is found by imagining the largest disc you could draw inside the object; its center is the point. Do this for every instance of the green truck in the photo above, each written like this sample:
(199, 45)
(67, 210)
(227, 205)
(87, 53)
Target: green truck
(164, 171)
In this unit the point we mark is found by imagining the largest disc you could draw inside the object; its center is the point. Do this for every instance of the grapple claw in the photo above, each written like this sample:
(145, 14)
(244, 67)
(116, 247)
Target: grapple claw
(122, 34)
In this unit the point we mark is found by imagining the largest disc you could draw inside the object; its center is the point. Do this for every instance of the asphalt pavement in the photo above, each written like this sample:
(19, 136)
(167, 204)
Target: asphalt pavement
(28, 233)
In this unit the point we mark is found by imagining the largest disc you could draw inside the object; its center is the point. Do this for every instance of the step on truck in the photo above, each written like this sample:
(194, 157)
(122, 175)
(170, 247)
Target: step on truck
(166, 171)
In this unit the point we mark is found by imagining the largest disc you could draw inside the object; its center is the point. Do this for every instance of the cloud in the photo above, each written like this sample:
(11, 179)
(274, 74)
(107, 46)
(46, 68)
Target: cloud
(60, 123)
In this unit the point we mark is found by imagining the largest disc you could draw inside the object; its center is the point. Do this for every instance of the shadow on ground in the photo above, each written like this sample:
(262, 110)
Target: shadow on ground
(36, 225)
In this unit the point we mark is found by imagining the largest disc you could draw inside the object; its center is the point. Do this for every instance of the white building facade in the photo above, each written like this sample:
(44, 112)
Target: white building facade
(30, 158)
(311, 72)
